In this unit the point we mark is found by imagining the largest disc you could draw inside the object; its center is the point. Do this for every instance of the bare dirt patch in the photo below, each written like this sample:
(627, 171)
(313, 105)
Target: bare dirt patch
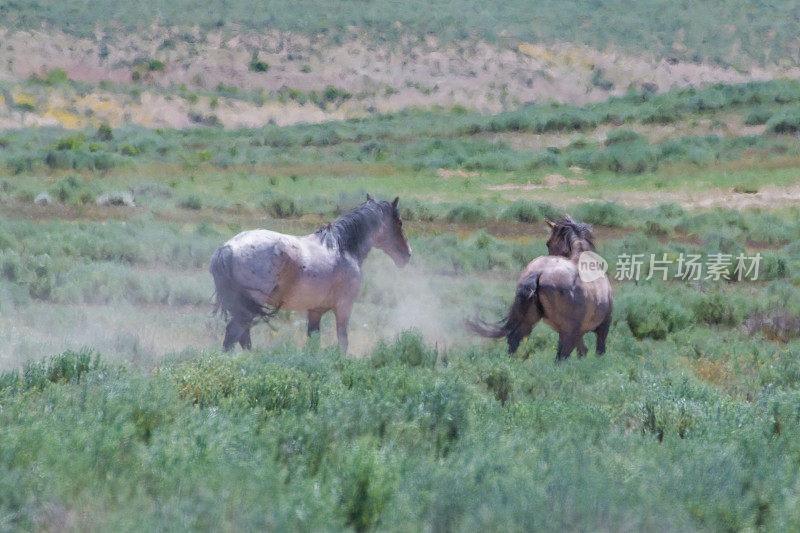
(723, 125)
(377, 77)
(767, 197)
(551, 181)
(445, 173)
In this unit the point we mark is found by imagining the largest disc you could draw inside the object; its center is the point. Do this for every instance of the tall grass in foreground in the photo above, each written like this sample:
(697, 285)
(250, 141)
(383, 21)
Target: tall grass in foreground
(410, 437)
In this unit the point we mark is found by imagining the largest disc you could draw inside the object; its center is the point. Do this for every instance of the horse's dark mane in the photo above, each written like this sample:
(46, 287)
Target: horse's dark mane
(349, 232)
(569, 231)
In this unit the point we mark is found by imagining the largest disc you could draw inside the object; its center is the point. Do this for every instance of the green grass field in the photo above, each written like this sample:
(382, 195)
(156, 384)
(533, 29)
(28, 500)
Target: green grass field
(118, 411)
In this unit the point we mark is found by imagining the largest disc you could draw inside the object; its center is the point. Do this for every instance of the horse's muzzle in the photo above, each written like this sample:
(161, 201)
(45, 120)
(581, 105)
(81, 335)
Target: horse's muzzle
(403, 261)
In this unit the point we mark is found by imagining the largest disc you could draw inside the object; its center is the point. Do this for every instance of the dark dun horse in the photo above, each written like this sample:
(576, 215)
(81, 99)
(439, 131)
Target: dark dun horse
(258, 272)
(551, 289)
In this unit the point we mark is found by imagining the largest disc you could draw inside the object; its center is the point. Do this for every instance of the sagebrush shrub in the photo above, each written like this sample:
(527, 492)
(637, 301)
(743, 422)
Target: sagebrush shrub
(465, 212)
(280, 205)
(409, 348)
(603, 214)
(785, 122)
(719, 308)
(274, 388)
(525, 211)
(653, 314)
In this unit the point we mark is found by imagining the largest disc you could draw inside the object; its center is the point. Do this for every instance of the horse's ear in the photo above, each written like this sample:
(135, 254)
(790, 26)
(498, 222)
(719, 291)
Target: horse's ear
(369, 198)
(394, 203)
(550, 223)
(568, 217)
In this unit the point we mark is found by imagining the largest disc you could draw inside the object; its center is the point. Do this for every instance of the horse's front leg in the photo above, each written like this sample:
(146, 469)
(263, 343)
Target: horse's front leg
(314, 317)
(342, 314)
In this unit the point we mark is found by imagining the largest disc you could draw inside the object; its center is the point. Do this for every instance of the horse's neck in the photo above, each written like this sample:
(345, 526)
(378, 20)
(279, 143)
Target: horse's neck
(362, 250)
(578, 247)
(363, 246)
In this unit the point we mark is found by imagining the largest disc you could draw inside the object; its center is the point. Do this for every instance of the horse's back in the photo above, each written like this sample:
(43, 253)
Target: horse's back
(258, 257)
(552, 270)
(295, 273)
(565, 298)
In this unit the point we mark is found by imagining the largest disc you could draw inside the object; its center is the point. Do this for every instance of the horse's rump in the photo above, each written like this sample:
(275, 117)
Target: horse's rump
(230, 297)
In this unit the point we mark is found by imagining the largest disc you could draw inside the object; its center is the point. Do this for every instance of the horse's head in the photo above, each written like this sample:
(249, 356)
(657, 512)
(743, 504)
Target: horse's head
(391, 238)
(569, 238)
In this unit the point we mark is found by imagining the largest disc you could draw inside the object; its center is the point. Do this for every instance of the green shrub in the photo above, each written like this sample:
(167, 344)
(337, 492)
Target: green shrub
(56, 76)
(71, 142)
(785, 122)
(443, 414)
(606, 214)
(20, 164)
(623, 136)
(669, 210)
(656, 114)
(191, 201)
(68, 367)
(274, 388)
(772, 266)
(280, 205)
(412, 209)
(366, 487)
(654, 228)
(129, 150)
(332, 94)
(74, 190)
(759, 115)
(256, 65)
(104, 132)
(528, 212)
(633, 158)
(409, 349)
(465, 212)
(57, 159)
(207, 380)
(652, 314)
(41, 276)
(719, 309)
(103, 161)
(498, 381)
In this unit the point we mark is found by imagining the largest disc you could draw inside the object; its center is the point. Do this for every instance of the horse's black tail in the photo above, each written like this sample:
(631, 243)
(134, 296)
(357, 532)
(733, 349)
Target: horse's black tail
(230, 298)
(514, 326)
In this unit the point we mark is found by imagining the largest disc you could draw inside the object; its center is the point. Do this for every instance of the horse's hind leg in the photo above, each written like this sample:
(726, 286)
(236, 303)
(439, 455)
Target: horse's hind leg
(233, 332)
(602, 333)
(522, 330)
(523, 320)
(244, 340)
(238, 330)
(566, 343)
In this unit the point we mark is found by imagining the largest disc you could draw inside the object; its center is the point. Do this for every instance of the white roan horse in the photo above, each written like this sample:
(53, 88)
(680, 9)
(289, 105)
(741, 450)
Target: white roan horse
(258, 272)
